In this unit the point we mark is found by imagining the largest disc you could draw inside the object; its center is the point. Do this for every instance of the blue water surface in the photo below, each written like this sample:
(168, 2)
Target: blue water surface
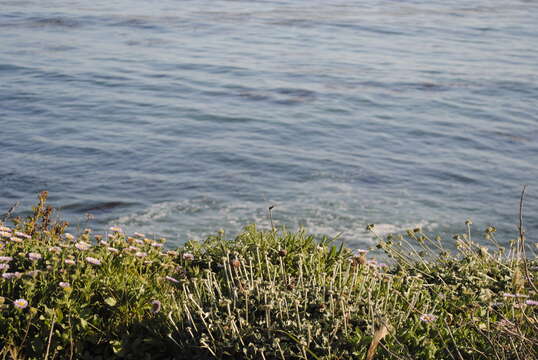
(177, 118)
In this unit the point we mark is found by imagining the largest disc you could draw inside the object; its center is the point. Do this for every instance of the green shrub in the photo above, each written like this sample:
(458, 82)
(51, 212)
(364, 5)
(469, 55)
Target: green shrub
(265, 294)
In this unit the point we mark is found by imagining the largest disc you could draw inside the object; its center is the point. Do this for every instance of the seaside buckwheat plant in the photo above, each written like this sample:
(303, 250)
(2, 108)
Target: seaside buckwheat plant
(267, 294)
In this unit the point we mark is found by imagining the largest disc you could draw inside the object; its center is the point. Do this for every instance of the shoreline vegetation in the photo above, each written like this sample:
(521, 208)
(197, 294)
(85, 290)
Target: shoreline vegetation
(269, 294)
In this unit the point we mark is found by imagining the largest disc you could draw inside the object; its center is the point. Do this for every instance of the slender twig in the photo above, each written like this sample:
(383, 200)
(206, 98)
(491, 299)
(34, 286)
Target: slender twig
(452, 338)
(394, 356)
(521, 243)
(521, 249)
(271, 217)
(493, 347)
(50, 335)
(71, 343)
(9, 212)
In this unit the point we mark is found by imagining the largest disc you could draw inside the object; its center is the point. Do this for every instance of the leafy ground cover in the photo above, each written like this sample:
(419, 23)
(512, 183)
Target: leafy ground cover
(264, 295)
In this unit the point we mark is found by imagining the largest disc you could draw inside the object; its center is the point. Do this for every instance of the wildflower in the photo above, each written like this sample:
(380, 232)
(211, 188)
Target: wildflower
(508, 295)
(155, 306)
(5, 234)
(172, 253)
(382, 265)
(428, 317)
(156, 244)
(116, 229)
(23, 235)
(148, 262)
(362, 251)
(98, 237)
(132, 248)
(103, 242)
(4, 266)
(34, 256)
(9, 275)
(6, 229)
(174, 280)
(55, 249)
(16, 239)
(33, 273)
(64, 284)
(139, 235)
(531, 302)
(188, 256)
(70, 261)
(20, 303)
(141, 254)
(112, 250)
(139, 242)
(82, 246)
(5, 258)
(69, 236)
(2, 245)
(93, 261)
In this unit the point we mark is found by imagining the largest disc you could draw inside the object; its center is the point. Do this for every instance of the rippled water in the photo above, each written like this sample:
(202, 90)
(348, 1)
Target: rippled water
(179, 118)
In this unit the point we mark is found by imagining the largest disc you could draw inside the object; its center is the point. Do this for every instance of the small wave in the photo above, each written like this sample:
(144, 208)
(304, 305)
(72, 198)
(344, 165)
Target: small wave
(54, 22)
(96, 206)
(282, 96)
(137, 23)
(12, 68)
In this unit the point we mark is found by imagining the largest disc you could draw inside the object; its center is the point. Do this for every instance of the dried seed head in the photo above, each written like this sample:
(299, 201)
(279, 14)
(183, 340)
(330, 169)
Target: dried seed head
(235, 263)
(290, 286)
(155, 306)
(360, 259)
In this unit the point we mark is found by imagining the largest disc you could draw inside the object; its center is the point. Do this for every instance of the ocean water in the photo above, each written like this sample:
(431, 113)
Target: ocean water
(178, 118)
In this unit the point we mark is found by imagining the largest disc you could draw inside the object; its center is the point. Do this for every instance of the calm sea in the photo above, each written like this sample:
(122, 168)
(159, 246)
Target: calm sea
(177, 118)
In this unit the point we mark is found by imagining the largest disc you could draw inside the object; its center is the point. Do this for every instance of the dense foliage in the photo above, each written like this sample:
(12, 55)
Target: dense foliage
(264, 295)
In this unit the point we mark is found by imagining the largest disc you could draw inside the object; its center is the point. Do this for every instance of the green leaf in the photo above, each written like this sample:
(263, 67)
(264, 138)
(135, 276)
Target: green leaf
(59, 315)
(110, 301)
(83, 323)
(116, 346)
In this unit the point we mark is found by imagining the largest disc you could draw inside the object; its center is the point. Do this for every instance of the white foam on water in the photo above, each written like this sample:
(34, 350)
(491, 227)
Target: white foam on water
(195, 219)
(386, 229)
